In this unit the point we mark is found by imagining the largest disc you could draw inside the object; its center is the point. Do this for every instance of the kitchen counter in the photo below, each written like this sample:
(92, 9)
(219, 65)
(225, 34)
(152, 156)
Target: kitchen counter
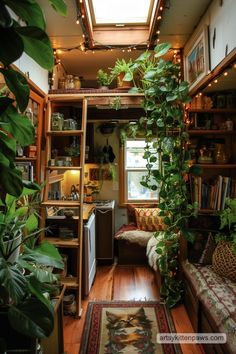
(87, 210)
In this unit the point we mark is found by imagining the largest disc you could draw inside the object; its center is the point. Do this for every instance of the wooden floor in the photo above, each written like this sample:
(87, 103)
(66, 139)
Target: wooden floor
(118, 282)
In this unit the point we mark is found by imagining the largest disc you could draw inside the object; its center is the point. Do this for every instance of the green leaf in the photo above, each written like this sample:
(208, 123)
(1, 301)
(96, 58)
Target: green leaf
(4, 103)
(31, 223)
(20, 126)
(161, 49)
(172, 97)
(7, 146)
(13, 280)
(5, 18)
(46, 254)
(128, 76)
(18, 85)
(37, 46)
(32, 317)
(59, 6)
(11, 47)
(29, 11)
(11, 180)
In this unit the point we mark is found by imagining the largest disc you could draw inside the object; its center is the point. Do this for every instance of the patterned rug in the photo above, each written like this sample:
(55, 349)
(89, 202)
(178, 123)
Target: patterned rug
(127, 327)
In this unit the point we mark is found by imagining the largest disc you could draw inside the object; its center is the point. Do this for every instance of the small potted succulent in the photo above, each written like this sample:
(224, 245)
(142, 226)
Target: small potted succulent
(104, 79)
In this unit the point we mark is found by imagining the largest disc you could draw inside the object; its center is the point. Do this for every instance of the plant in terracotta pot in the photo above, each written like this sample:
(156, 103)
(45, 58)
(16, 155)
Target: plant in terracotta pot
(224, 256)
(104, 79)
(122, 70)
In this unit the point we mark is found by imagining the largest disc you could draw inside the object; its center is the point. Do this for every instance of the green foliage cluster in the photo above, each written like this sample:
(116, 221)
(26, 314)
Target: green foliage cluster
(228, 223)
(25, 275)
(23, 280)
(25, 35)
(104, 78)
(165, 132)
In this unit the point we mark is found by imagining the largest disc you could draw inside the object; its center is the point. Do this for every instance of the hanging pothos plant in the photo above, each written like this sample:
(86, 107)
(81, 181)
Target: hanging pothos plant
(164, 98)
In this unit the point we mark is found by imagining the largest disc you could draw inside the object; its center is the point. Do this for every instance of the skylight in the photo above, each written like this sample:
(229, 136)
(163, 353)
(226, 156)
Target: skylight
(121, 11)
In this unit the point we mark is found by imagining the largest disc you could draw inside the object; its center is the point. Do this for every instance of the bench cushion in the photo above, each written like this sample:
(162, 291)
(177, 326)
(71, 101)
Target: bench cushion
(218, 296)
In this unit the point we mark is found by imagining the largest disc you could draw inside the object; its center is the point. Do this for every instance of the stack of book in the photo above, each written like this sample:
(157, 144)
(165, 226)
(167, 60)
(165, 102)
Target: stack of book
(212, 194)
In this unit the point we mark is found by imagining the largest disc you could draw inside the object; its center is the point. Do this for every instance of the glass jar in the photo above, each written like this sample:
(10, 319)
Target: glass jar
(221, 156)
(57, 121)
(62, 83)
(229, 124)
(77, 82)
(69, 82)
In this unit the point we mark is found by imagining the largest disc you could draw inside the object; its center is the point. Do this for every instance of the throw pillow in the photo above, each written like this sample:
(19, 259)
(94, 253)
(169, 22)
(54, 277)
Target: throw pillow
(201, 250)
(206, 257)
(131, 210)
(148, 219)
(224, 260)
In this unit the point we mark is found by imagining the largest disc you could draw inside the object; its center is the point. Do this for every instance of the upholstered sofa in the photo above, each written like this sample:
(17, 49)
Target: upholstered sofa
(210, 300)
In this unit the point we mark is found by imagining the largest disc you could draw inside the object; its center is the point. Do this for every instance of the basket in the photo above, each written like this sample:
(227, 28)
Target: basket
(224, 260)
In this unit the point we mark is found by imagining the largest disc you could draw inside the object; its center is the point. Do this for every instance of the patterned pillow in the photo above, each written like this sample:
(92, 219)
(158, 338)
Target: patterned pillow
(131, 210)
(148, 219)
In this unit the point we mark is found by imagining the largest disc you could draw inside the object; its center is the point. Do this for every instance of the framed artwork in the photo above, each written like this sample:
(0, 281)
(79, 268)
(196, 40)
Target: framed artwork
(96, 174)
(196, 58)
(26, 169)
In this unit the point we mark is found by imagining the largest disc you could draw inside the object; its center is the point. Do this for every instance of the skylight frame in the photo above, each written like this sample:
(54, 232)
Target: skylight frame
(121, 22)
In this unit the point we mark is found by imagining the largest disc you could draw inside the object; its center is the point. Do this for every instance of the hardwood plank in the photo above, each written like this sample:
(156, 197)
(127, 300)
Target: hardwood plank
(120, 282)
(183, 325)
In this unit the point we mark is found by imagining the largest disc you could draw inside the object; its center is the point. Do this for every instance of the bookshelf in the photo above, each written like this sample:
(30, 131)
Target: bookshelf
(212, 147)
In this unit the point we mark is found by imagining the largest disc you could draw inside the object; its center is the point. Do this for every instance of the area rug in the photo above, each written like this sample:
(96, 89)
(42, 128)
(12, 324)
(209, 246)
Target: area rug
(127, 327)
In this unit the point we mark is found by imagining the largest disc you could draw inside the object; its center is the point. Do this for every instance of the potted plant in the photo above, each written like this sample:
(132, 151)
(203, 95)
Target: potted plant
(163, 122)
(104, 79)
(26, 278)
(123, 72)
(224, 256)
(74, 152)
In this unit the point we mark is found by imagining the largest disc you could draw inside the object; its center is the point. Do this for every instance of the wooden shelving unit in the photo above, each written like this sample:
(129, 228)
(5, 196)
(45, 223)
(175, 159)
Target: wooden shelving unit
(55, 174)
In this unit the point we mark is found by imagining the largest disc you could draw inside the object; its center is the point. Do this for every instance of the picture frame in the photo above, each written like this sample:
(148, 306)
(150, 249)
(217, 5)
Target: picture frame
(26, 169)
(196, 58)
(95, 174)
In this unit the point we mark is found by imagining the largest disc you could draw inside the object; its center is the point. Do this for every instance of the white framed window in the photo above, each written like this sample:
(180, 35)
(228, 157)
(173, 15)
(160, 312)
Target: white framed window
(134, 168)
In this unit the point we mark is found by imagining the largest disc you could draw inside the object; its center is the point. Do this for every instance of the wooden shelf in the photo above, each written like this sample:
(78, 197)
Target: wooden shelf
(26, 159)
(213, 110)
(211, 132)
(61, 203)
(58, 242)
(70, 282)
(56, 178)
(215, 166)
(64, 132)
(63, 168)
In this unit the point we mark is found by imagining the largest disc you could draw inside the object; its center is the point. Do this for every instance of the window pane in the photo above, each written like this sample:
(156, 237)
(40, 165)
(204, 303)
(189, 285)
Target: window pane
(134, 154)
(136, 190)
(121, 11)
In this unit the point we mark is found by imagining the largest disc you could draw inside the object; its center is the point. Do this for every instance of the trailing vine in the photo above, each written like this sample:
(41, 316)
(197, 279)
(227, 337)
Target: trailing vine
(164, 98)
